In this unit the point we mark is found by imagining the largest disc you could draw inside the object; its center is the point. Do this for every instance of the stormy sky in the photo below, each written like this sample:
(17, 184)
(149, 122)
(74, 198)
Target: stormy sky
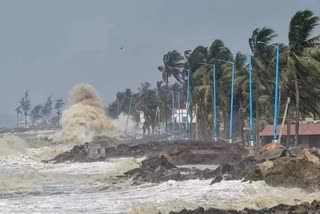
(48, 46)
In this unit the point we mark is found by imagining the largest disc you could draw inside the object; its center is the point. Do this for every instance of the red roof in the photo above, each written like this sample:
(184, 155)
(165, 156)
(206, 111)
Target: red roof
(304, 129)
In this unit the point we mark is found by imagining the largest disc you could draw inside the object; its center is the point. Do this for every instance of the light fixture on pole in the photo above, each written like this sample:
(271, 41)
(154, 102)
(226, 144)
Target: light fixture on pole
(249, 57)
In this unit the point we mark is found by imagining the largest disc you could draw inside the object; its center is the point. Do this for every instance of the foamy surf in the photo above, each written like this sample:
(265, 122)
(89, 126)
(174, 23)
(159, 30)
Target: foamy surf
(163, 197)
(27, 185)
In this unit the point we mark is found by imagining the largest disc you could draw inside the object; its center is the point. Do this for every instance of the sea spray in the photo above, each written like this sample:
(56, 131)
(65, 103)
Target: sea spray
(84, 118)
(11, 145)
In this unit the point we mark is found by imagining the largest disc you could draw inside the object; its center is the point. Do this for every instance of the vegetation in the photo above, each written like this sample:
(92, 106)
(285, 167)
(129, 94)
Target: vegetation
(299, 80)
(40, 113)
(58, 106)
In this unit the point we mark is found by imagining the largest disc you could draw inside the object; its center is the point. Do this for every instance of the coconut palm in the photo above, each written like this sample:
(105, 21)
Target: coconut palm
(172, 66)
(201, 84)
(303, 62)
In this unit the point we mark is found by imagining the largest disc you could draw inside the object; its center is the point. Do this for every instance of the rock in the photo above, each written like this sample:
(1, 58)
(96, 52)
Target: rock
(315, 153)
(172, 175)
(306, 155)
(178, 152)
(270, 146)
(292, 172)
(134, 171)
(316, 204)
(281, 208)
(295, 151)
(271, 154)
(159, 169)
(153, 162)
(227, 177)
(217, 179)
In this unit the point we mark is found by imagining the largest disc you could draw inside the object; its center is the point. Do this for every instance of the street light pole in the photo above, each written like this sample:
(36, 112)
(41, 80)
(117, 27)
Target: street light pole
(276, 111)
(231, 105)
(276, 92)
(188, 105)
(251, 98)
(215, 134)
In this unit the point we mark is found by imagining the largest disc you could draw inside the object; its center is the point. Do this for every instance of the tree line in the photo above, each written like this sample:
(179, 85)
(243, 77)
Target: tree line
(41, 113)
(299, 79)
(148, 100)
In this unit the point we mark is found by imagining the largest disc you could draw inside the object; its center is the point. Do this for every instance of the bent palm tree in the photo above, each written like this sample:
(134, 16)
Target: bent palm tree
(303, 61)
(172, 65)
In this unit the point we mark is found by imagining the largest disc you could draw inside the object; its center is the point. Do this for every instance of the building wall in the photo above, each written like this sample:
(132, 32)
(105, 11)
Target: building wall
(314, 141)
(304, 141)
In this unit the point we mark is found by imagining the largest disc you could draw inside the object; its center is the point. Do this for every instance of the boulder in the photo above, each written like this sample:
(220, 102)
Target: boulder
(290, 172)
(272, 153)
(295, 151)
(217, 179)
(306, 155)
(281, 208)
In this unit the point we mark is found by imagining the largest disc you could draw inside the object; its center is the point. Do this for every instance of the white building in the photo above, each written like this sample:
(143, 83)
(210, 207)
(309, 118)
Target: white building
(180, 116)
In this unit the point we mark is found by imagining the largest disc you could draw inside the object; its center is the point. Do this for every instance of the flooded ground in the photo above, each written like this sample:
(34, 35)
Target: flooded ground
(29, 186)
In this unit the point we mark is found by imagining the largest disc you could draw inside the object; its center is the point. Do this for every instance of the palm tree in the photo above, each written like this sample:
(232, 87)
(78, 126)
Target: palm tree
(25, 105)
(263, 75)
(58, 105)
(36, 113)
(172, 65)
(18, 110)
(201, 84)
(303, 61)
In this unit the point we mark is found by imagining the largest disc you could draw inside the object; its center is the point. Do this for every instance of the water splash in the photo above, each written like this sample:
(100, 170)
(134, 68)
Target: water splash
(84, 118)
(11, 145)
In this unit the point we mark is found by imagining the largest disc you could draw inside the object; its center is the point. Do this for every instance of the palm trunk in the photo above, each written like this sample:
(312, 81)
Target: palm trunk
(288, 127)
(197, 121)
(166, 105)
(257, 129)
(297, 108)
(242, 124)
(226, 125)
(25, 120)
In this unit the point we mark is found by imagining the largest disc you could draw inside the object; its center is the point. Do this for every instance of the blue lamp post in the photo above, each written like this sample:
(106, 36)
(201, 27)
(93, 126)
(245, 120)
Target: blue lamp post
(276, 93)
(215, 130)
(188, 105)
(231, 98)
(250, 101)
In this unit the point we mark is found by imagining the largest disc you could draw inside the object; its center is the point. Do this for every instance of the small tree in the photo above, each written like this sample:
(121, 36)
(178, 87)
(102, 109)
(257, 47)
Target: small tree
(47, 109)
(25, 105)
(35, 113)
(58, 105)
(18, 110)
